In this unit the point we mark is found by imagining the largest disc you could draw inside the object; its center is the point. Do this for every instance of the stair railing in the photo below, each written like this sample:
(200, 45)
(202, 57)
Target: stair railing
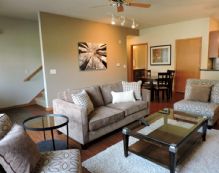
(28, 78)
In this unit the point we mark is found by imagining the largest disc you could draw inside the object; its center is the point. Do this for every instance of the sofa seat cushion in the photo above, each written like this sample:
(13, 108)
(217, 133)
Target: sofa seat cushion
(129, 107)
(60, 161)
(103, 116)
(197, 108)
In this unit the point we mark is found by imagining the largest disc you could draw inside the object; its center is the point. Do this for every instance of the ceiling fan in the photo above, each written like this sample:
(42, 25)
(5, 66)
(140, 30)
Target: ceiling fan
(119, 4)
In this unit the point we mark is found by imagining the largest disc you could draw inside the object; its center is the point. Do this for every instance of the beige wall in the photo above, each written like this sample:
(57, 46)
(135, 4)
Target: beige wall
(19, 57)
(167, 34)
(60, 37)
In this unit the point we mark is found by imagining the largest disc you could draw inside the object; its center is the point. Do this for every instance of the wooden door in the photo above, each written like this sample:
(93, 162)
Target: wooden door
(188, 55)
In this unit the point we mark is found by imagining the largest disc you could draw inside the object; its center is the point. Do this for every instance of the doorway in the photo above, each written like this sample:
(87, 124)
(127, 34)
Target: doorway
(188, 55)
(139, 59)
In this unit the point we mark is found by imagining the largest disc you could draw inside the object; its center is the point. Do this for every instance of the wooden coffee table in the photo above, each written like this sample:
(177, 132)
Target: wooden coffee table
(171, 138)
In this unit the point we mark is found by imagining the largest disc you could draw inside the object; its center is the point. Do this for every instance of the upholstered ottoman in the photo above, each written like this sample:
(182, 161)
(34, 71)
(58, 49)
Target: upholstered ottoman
(62, 161)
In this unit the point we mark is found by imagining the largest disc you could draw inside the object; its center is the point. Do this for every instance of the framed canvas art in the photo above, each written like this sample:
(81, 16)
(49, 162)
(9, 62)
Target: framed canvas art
(92, 56)
(160, 55)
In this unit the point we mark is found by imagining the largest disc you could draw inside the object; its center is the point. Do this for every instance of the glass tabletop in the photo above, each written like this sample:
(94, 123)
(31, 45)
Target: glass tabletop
(168, 127)
(45, 122)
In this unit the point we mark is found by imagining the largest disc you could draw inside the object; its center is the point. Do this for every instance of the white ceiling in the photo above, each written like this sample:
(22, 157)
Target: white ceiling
(160, 12)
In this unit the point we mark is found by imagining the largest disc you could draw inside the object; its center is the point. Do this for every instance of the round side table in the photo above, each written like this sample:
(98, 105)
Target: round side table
(46, 123)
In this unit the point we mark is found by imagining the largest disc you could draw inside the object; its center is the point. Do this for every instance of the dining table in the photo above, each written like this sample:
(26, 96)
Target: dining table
(151, 80)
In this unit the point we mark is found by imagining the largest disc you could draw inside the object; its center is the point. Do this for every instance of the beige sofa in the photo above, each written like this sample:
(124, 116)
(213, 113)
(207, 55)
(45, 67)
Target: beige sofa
(105, 118)
(197, 108)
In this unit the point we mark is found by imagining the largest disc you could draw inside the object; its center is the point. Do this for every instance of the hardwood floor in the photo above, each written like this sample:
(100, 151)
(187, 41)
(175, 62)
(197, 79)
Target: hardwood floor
(98, 145)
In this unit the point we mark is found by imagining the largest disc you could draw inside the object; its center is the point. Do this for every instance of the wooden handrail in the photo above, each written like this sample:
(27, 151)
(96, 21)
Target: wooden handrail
(33, 73)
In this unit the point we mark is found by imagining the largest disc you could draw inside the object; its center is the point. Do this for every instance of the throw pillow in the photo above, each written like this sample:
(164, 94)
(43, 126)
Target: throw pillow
(83, 99)
(5, 125)
(135, 86)
(18, 153)
(126, 96)
(199, 93)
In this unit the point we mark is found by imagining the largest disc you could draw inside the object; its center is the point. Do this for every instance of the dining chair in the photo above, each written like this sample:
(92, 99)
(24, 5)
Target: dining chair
(147, 84)
(138, 74)
(172, 75)
(162, 85)
(147, 73)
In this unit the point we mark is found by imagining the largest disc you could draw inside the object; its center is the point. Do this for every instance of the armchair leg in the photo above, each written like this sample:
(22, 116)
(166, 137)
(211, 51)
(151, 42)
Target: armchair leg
(84, 146)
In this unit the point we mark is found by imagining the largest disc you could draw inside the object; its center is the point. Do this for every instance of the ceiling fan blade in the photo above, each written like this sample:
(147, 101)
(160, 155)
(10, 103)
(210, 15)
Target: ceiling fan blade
(142, 5)
(120, 8)
(98, 6)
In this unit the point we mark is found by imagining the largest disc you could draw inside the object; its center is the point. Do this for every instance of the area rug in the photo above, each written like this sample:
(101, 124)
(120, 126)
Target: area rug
(203, 159)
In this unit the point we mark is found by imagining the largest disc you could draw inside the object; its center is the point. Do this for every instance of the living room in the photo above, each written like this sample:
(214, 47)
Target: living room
(40, 55)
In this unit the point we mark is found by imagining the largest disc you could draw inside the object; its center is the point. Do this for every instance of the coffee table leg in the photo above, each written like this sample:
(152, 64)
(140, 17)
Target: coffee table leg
(125, 141)
(204, 130)
(172, 155)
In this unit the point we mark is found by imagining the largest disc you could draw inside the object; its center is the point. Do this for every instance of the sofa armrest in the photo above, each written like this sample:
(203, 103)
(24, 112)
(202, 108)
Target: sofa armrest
(146, 96)
(78, 121)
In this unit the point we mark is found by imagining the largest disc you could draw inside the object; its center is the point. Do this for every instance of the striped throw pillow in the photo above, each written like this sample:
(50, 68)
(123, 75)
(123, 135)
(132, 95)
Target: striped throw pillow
(83, 99)
(135, 86)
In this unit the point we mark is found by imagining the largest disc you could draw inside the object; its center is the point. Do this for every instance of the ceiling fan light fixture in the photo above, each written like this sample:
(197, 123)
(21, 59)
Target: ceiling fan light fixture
(123, 20)
(133, 24)
(113, 22)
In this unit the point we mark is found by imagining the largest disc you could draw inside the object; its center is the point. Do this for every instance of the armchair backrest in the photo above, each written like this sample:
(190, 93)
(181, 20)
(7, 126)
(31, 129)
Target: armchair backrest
(214, 97)
(5, 125)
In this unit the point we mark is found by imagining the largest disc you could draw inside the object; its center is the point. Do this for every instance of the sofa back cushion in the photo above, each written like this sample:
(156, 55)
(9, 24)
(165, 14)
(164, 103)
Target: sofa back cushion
(215, 93)
(93, 92)
(197, 82)
(106, 91)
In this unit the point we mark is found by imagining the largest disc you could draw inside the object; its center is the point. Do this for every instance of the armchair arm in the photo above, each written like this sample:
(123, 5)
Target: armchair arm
(146, 96)
(78, 121)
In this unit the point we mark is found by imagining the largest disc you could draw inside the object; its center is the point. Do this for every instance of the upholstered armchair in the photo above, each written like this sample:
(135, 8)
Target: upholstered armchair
(18, 153)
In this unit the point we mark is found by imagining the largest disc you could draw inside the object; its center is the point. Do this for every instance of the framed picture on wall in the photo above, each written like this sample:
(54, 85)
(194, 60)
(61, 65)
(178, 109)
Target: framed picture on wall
(92, 56)
(160, 55)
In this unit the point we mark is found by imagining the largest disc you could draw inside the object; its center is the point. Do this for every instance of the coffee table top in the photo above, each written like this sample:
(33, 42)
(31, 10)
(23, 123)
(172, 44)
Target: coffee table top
(170, 128)
(45, 122)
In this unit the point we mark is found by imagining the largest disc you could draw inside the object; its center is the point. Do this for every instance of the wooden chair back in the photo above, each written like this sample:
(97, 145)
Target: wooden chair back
(163, 79)
(147, 73)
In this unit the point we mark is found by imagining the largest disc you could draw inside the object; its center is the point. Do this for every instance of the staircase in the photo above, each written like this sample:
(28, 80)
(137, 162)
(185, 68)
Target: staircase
(40, 99)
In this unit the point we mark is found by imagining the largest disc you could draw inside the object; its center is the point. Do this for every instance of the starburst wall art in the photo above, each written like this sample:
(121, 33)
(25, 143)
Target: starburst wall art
(92, 56)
